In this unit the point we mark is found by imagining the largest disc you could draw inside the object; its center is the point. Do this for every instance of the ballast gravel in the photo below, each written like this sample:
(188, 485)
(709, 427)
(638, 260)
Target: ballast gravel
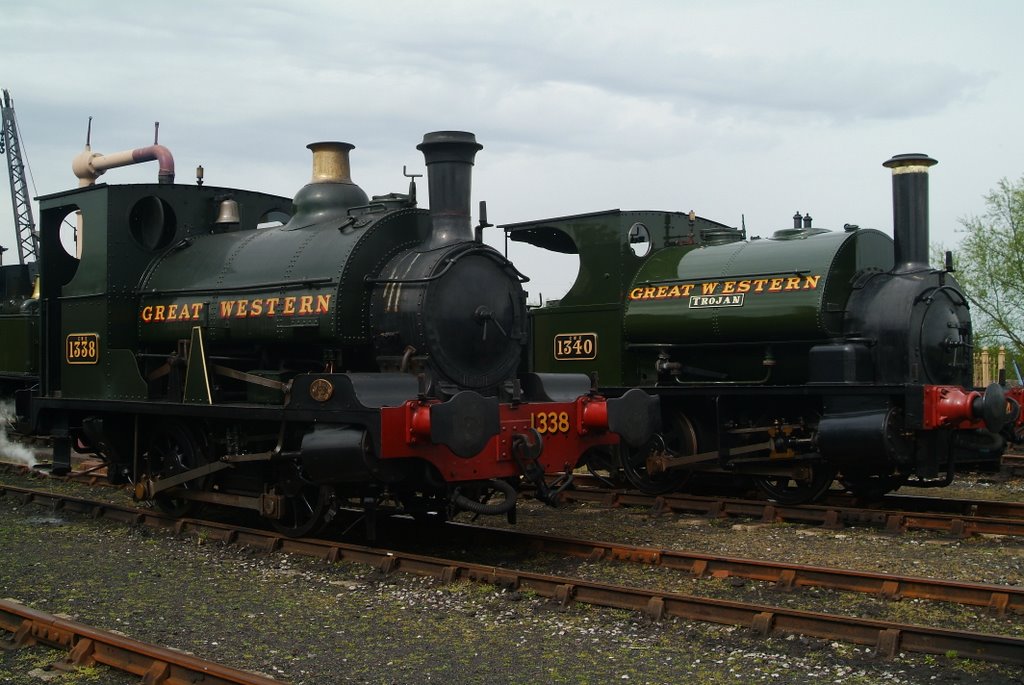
(305, 621)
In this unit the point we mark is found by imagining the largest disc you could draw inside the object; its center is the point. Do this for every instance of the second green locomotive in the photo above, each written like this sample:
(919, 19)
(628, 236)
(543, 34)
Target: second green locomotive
(787, 360)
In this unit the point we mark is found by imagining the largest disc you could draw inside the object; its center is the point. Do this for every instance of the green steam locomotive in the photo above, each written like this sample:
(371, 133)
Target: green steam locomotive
(788, 361)
(286, 356)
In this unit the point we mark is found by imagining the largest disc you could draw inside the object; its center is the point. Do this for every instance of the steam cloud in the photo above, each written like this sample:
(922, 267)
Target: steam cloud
(8, 450)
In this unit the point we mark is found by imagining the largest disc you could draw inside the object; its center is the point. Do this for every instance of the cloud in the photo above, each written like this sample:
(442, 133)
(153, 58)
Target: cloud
(540, 62)
(727, 107)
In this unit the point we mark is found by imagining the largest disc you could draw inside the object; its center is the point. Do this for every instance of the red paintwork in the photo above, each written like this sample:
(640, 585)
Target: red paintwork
(595, 416)
(1016, 394)
(417, 423)
(946, 406)
(405, 433)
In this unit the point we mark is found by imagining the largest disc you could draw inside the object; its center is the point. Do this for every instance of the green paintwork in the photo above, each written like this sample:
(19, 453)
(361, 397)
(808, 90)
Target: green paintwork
(155, 265)
(19, 349)
(608, 265)
(776, 296)
(275, 284)
(771, 290)
(795, 296)
(124, 228)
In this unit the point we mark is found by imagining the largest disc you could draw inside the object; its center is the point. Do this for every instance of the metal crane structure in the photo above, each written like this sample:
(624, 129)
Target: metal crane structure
(25, 226)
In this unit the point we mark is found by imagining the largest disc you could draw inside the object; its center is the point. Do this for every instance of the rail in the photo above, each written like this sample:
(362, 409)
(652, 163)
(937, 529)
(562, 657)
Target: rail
(886, 638)
(961, 523)
(88, 646)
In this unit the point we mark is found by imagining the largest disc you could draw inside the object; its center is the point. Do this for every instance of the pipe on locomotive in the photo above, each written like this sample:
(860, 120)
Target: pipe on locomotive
(910, 210)
(449, 156)
(89, 165)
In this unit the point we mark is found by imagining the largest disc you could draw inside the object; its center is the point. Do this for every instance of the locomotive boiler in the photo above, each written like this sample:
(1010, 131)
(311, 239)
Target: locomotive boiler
(288, 355)
(787, 360)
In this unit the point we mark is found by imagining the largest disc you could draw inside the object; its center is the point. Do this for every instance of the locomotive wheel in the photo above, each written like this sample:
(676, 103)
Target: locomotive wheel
(308, 507)
(682, 441)
(172, 449)
(790, 490)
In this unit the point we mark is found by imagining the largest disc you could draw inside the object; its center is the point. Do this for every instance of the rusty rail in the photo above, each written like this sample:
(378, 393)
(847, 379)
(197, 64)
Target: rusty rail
(589, 487)
(88, 646)
(962, 518)
(785, 576)
(939, 505)
(829, 516)
(1013, 464)
(887, 639)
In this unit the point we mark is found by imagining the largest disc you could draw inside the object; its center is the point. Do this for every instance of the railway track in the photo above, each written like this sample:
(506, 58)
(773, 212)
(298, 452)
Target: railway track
(938, 505)
(899, 513)
(886, 638)
(1013, 464)
(958, 516)
(894, 513)
(88, 646)
(999, 599)
(783, 576)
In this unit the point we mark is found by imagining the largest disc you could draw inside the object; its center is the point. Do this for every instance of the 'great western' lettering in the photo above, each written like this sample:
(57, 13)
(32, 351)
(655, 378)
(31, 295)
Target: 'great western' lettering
(292, 305)
(186, 311)
(724, 293)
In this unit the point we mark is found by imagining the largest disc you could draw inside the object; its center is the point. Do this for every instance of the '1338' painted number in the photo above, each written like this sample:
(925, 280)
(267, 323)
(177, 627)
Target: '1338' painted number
(550, 422)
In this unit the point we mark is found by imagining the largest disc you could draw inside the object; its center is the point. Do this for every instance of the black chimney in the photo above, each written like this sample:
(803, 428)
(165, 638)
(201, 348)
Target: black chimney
(910, 210)
(449, 157)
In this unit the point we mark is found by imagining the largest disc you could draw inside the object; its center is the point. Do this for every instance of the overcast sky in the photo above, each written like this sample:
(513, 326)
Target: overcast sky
(733, 109)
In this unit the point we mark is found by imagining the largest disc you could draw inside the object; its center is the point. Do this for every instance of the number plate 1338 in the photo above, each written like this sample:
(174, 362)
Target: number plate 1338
(82, 348)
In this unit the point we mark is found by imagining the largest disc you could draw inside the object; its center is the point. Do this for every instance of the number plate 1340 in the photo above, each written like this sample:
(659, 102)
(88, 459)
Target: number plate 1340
(576, 346)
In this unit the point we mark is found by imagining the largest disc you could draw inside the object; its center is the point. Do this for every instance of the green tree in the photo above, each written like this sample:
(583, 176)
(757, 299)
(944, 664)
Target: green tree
(990, 266)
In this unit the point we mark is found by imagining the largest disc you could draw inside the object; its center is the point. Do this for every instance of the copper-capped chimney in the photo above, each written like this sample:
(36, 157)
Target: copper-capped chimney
(331, 192)
(449, 156)
(330, 162)
(910, 210)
